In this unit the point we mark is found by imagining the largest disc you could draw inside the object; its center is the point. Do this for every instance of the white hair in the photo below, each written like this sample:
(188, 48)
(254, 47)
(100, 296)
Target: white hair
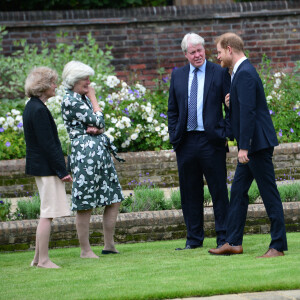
(75, 71)
(191, 38)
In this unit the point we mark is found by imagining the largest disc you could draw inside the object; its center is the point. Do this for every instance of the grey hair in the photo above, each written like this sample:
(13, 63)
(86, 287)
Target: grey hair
(75, 71)
(39, 80)
(191, 38)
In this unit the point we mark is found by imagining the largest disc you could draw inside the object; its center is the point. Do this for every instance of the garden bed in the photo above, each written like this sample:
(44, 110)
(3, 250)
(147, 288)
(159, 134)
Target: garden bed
(136, 227)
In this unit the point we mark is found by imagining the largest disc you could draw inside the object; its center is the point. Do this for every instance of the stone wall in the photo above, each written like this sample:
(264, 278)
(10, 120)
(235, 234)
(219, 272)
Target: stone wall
(136, 227)
(145, 39)
(159, 167)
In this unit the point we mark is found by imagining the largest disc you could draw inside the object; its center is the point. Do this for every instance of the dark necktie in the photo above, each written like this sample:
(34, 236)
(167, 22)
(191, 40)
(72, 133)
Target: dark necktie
(192, 107)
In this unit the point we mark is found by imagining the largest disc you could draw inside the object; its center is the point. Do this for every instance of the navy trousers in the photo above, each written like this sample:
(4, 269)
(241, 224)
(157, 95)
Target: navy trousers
(260, 167)
(196, 157)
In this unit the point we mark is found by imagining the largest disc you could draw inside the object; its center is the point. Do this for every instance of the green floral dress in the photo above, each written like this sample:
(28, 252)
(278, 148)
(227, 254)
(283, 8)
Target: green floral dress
(95, 180)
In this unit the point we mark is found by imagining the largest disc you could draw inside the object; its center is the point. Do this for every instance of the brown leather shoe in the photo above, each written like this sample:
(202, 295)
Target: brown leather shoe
(226, 249)
(272, 253)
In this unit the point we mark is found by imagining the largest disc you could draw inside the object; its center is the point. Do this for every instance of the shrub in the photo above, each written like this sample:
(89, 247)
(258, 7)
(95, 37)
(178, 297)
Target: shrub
(176, 198)
(4, 210)
(28, 209)
(148, 199)
(283, 97)
(289, 192)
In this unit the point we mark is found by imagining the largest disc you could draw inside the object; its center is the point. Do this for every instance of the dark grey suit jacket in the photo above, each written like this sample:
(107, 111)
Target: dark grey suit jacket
(216, 86)
(250, 118)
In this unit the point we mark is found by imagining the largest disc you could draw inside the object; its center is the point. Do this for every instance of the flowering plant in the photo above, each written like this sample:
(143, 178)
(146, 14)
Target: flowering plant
(132, 121)
(283, 98)
(12, 144)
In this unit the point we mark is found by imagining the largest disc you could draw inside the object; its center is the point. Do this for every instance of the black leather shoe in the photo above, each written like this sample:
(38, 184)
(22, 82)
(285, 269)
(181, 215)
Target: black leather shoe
(109, 252)
(190, 247)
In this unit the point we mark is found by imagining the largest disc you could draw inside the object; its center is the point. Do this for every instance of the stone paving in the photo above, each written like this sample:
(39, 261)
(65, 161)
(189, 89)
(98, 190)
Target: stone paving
(273, 295)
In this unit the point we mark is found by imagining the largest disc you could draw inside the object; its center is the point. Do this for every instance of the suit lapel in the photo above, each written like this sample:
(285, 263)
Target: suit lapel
(207, 81)
(238, 69)
(185, 84)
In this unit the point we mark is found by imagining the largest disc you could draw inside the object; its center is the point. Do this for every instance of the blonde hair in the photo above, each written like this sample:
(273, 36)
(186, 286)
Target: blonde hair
(75, 71)
(230, 39)
(39, 80)
(191, 38)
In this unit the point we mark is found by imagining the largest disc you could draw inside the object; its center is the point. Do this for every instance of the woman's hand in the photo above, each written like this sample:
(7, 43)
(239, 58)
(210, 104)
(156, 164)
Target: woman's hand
(92, 96)
(227, 97)
(94, 130)
(67, 178)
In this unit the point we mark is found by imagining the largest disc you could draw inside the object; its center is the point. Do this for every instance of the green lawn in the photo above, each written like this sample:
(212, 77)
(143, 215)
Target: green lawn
(151, 271)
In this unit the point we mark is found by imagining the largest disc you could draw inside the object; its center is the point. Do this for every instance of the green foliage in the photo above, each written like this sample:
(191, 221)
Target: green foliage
(14, 69)
(12, 5)
(145, 197)
(283, 97)
(253, 192)
(176, 199)
(4, 209)
(148, 199)
(289, 192)
(12, 145)
(28, 209)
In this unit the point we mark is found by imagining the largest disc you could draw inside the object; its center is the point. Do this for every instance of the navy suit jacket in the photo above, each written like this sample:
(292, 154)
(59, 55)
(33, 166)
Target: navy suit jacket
(216, 86)
(249, 114)
(44, 156)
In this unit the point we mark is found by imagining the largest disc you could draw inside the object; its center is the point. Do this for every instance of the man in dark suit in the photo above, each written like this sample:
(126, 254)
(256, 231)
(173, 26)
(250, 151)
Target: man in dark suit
(197, 132)
(254, 131)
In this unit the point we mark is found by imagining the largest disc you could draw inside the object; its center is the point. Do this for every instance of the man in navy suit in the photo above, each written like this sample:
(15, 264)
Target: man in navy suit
(197, 132)
(254, 132)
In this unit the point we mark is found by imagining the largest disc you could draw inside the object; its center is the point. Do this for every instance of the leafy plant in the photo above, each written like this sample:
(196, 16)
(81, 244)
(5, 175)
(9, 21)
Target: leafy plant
(148, 199)
(28, 209)
(283, 97)
(4, 209)
(289, 192)
(176, 198)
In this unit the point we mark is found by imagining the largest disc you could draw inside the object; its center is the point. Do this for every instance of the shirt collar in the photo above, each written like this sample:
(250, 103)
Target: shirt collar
(202, 68)
(237, 64)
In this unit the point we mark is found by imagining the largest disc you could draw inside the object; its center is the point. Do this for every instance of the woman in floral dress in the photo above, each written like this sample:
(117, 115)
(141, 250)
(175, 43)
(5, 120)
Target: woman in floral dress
(95, 181)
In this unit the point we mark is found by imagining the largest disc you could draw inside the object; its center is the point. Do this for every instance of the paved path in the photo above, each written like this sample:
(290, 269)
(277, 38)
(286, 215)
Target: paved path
(274, 295)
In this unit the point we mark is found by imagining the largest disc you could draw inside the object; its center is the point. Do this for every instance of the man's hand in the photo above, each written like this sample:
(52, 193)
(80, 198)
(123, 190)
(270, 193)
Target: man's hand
(243, 156)
(94, 130)
(67, 178)
(227, 97)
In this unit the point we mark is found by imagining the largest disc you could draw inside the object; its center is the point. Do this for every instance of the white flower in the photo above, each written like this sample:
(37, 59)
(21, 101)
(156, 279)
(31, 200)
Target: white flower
(109, 136)
(19, 118)
(157, 128)
(277, 83)
(278, 74)
(5, 126)
(149, 119)
(165, 138)
(15, 112)
(112, 81)
(134, 136)
(269, 98)
(114, 120)
(10, 121)
(2, 120)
